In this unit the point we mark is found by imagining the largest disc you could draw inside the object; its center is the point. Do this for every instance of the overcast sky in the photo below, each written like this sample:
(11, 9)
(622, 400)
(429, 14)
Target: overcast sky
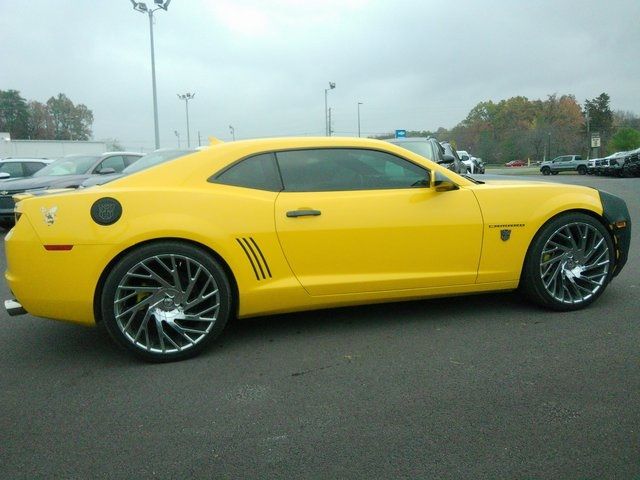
(262, 66)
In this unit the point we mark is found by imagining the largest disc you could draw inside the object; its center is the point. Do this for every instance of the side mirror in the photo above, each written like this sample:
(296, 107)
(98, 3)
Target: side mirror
(447, 159)
(4, 175)
(106, 171)
(442, 183)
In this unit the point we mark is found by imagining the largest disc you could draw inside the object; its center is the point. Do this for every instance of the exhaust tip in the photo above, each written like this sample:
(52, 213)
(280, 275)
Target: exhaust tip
(14, 308)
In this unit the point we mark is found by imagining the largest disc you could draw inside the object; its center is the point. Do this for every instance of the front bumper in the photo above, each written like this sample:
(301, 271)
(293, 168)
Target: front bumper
(617, 216)
(14, 308)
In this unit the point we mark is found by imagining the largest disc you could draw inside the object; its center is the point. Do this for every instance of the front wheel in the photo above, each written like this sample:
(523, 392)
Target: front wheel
(166, 301)
(569, 263)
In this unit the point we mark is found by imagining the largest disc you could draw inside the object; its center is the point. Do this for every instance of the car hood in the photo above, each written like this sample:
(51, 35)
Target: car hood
(31, 183)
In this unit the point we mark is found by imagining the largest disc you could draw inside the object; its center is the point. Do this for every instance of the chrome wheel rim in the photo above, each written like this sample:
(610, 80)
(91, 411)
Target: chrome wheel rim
(574, 263)
(167, 303)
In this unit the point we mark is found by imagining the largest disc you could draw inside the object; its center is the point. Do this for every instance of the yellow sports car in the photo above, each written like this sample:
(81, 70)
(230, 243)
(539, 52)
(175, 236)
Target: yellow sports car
(164, 257)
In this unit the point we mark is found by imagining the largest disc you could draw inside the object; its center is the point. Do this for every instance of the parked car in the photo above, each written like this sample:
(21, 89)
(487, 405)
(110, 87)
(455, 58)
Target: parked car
(594, 165)
(69, 171)
(630, 164)
(466, 158)
(612, 164)
(147, 161)
(164, 258)
(474, 165)
(21, 167)
(430, 148)
(516, 163)
(478, 165)
(449, 150)
(564, 163)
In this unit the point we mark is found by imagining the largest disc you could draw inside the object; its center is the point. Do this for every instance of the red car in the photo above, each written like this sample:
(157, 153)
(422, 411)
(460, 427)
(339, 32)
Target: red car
(516, 163)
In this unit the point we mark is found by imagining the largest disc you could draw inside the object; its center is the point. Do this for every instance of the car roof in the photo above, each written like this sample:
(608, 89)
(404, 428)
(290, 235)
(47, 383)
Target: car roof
(407, 139)
(25, 159)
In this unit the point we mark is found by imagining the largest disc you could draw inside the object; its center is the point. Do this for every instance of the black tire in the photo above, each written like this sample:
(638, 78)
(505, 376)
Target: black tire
(556, 278)
(582, 170)
(546, 171)
(555, 173)
(174, 293)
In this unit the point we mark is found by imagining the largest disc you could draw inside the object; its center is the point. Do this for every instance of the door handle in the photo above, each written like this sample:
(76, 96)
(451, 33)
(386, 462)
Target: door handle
(303, 213)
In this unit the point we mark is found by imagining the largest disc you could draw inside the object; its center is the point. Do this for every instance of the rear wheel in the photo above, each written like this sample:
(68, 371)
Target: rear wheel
(569, 263)
(166, 301)
(582, 170)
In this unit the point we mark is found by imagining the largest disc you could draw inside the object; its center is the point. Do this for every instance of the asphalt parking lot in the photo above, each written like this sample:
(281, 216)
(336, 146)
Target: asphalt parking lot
(482, 386)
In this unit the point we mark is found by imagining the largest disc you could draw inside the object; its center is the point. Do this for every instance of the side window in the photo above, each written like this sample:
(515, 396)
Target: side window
(32, 167)
(129, 159)
(259, 172)
(323, 170)
(12, 168)
(116, 162)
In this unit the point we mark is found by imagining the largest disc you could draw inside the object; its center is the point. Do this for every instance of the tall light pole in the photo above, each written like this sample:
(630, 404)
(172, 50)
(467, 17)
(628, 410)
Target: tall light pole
(177, 135)
(332, 85)
(232, 131)
(186, 97)
(142, 8)
(359, 103)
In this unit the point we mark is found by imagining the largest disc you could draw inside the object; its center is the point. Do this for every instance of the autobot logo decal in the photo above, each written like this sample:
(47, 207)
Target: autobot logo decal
(505, 234)
(49, 215)
(106, 211)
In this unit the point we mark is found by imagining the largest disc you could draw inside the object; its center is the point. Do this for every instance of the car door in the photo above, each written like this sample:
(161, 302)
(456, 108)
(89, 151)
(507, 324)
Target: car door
(355, 221)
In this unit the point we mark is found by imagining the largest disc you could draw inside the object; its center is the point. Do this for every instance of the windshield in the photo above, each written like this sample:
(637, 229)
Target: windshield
(68, 166)
(419, 147)
(154, 159)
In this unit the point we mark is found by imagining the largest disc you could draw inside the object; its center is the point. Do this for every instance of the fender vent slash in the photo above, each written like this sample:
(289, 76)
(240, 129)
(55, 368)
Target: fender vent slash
(256, 258)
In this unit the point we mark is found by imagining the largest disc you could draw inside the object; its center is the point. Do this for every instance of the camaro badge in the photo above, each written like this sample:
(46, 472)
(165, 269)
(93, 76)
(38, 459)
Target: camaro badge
(49, 215)
(505, 234)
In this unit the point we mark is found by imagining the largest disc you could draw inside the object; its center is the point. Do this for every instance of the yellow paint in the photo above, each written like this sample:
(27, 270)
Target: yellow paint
(365, 247)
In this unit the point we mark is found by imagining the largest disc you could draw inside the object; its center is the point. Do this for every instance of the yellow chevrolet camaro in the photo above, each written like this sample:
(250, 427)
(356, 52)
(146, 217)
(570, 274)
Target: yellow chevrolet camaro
(164, 257)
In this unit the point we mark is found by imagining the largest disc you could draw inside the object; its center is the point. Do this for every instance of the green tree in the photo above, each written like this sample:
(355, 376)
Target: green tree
(625, 139)
(14, 115)
(600, 116)
(40, 124)
(70, 122)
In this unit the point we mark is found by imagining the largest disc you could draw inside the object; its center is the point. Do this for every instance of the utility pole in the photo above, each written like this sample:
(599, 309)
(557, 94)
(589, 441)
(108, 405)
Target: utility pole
(327, 126)
(186, 97)
(142, 8)
(330, 126)
(359, 103)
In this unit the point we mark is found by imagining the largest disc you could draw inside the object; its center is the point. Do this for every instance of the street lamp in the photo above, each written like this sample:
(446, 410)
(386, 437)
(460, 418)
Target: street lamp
(359, 103)
(332, 85)
(186, 97)
(233, 132)
(177, 135)
(142, 8)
